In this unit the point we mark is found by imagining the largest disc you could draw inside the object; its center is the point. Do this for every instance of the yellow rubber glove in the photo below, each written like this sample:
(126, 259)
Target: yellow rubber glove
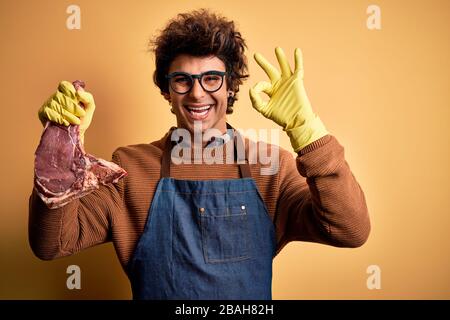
(63, 107)
(288, 105)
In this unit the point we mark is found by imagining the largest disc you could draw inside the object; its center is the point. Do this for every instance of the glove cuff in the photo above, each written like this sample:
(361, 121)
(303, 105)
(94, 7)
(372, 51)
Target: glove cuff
(307, 133)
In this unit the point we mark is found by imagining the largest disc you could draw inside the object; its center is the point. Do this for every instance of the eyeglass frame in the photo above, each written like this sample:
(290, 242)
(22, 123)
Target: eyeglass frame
(198, 77)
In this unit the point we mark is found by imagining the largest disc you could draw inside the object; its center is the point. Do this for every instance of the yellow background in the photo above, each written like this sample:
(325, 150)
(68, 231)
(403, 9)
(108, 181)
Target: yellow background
(383, 93)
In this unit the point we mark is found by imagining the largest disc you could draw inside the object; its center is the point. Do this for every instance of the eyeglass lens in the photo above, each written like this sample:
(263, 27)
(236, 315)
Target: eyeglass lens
(183, 83)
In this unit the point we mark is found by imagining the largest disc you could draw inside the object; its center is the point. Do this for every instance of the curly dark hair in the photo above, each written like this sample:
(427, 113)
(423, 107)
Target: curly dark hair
(201, 33)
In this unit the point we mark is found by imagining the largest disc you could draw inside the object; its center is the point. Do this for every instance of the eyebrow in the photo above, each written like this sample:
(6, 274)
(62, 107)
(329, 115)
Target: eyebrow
(196, 73)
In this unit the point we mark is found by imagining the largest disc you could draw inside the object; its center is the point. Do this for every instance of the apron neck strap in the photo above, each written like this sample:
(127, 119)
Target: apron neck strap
(244, 168)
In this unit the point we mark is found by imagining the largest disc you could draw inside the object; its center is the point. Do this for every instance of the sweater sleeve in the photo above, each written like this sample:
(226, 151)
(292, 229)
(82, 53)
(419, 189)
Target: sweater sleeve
(320, 199)
(80, 224)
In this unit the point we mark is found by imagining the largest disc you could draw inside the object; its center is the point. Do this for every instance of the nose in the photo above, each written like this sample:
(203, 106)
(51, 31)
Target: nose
(197, 91)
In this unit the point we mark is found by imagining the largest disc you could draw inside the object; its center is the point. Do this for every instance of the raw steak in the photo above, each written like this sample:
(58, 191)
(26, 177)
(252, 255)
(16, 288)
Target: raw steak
(63, 171)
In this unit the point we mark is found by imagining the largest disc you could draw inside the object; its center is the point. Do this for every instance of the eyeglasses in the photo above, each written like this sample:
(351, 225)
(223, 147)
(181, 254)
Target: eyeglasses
(182, 82)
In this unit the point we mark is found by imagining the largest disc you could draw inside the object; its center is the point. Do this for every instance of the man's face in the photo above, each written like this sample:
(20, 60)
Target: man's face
(198, 104)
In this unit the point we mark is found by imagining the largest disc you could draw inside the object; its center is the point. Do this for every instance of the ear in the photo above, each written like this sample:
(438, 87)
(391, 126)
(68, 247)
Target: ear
(166, 96)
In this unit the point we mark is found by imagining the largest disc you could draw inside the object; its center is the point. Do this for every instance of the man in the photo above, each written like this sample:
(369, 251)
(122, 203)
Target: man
(203, 229)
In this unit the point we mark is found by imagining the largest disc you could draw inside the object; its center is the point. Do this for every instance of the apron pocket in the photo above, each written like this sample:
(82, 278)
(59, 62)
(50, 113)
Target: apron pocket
(225, 234)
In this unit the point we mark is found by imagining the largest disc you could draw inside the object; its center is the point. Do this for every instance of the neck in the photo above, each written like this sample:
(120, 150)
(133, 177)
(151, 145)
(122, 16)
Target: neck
(198, 134)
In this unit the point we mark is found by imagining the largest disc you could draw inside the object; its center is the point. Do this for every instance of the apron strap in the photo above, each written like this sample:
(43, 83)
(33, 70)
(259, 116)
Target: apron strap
(244, 168)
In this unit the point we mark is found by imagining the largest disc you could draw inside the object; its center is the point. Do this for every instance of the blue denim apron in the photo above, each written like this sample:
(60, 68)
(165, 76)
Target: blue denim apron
(207, 239)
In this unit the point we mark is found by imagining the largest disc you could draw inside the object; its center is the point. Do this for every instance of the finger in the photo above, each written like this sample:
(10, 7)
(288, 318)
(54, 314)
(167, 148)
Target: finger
(282, 60)
(74, 107)
(57, 108)
(69, 104)
(263, 86)
(62, 113)
(54, 116)
(79, 111)
(269, 69)
(299, 62)
(255, 95)
(65, 87)
(70, 117)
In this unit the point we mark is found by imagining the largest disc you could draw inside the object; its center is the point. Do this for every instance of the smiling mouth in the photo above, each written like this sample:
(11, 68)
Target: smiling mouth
(199, 112)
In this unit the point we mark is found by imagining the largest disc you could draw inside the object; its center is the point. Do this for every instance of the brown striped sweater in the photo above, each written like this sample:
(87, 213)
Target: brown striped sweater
(314, 197)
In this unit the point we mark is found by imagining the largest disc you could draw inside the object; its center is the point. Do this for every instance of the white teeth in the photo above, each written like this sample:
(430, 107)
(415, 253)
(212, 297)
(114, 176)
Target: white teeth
(201, 113)
(200, 108)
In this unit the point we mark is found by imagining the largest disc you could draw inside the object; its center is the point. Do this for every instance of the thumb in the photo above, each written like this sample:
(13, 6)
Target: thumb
(87, 99)
(257, 102)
